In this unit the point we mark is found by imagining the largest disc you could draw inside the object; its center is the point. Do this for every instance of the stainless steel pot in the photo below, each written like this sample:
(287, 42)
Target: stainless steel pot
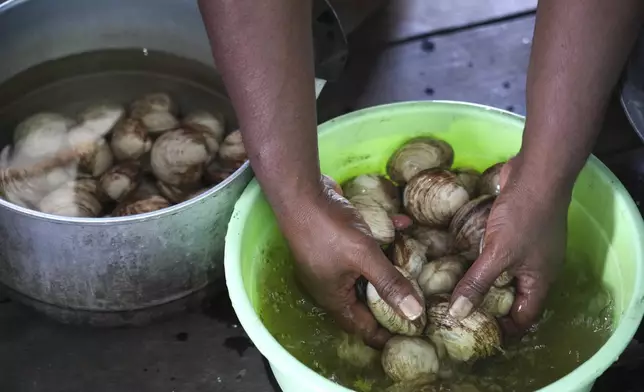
(130, 270)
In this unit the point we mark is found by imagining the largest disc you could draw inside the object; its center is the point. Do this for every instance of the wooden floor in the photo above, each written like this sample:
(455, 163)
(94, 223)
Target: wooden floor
(412, 49)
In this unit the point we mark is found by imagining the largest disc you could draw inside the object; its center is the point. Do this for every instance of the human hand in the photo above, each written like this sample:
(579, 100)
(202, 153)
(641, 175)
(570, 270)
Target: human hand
(333, 248)
(525, 236)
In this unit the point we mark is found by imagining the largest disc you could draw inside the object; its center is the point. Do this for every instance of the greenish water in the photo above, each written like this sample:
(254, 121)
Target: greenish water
(577, 321)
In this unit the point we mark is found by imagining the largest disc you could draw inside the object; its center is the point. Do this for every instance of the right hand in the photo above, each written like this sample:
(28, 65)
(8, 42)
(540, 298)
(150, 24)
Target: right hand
(333, 247)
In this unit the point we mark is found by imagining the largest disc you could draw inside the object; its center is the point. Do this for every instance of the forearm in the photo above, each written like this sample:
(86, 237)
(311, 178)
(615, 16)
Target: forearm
(264, 52)
(579, 49)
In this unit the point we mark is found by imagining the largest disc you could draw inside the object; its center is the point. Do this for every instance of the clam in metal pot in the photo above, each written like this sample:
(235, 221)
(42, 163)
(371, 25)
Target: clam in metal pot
(122, 270)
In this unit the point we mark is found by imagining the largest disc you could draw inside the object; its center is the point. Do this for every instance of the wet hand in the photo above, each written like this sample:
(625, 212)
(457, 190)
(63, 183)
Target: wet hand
(333, 248)
(526, 237)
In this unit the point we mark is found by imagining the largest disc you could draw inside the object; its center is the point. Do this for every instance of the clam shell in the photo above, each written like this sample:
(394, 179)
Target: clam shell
(79, 198)
(490, 178)
(416, 155)
(409, 358)
(503, 280)
(470, 179)
(468, 225)
(123, 178)
(380, 189)
(498, 301)
(152, 203)
(434, 196)
(179, 157)
(441, 276)
(438, 242)
(408, 254)
(389, 318)
(379, 222)
(354, 352)
(232, 148)
(476, 336)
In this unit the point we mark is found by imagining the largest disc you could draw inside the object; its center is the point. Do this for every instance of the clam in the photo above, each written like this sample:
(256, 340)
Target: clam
(489, 184)
(179, 157)
(503, 280)
(407, 358)
(417, 155)
(101, 118)
(152, 203)
(99, 161)
(474, 337)
(40, 136)
(118, 182)
(232, 148)
(468, 225)
(409, 254)
(498, 301)
(355, 352)
(441, 276)
(207, 122)
(79, 198)
(381, 226)
(380, 189)
(470, 179)
(156, 112)
(130, 140)
(438, 242)
(389, 318)
(433, 197)
(178, 195)
(218, 171)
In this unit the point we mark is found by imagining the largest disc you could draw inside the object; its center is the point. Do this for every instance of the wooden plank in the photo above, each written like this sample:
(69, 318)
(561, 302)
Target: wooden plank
(404, 19)
(484, 65)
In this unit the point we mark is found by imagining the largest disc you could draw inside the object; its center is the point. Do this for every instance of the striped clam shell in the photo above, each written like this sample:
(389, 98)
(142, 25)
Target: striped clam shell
(476, 336)
(409, 254)
(416, 155)
(434, 196)
(489, 184)
(468, 225)
(389, 318)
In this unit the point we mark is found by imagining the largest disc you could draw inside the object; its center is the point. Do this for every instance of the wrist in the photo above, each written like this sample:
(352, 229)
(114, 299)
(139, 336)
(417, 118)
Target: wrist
(541, 178)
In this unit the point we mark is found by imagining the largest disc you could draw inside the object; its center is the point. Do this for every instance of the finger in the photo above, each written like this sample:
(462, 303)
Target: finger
(357, 319)
(528, 304)
(392, 286)
(470, 290)
(330, 182)
(401, 222)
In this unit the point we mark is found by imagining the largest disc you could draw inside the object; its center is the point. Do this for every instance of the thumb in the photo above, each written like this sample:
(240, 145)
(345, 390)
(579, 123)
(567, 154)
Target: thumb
(392, 286)
(475, 284)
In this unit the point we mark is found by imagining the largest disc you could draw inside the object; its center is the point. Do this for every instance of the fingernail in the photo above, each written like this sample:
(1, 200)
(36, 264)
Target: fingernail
(411, 308)
(461, 308)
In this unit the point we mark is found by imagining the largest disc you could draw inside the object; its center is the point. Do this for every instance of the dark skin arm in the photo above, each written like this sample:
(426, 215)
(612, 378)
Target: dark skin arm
(264, 52)
(579, 49)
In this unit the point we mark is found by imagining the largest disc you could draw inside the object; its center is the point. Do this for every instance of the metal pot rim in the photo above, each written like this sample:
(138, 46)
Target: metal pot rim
(126, 219)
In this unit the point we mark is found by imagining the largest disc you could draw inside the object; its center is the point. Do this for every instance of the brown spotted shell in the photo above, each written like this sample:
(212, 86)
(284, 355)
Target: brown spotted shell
(130, 140)
(417, 155)
(142, 206)
(440, 276)
(406, 358)
(433, 197)
(376, 217)
(79, 198)
(99, 161)
(389, 318)
(380, 189)
(489, 184)
(470, 179)
(438, 242)
(468, 225)
(118, 182)
(178, 195)
(474, 337)
(232, 148)
(408, 253)
(179, 157)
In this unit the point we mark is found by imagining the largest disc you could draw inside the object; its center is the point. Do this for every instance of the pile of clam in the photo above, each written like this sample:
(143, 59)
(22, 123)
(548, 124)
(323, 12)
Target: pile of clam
(449, 209)
(115, 161)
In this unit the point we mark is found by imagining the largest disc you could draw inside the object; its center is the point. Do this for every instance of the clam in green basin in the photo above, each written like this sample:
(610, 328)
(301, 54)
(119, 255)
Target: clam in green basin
(605, 227)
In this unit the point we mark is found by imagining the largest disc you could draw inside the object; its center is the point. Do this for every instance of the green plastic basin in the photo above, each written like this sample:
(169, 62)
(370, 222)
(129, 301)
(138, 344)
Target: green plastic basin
(605, 227)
